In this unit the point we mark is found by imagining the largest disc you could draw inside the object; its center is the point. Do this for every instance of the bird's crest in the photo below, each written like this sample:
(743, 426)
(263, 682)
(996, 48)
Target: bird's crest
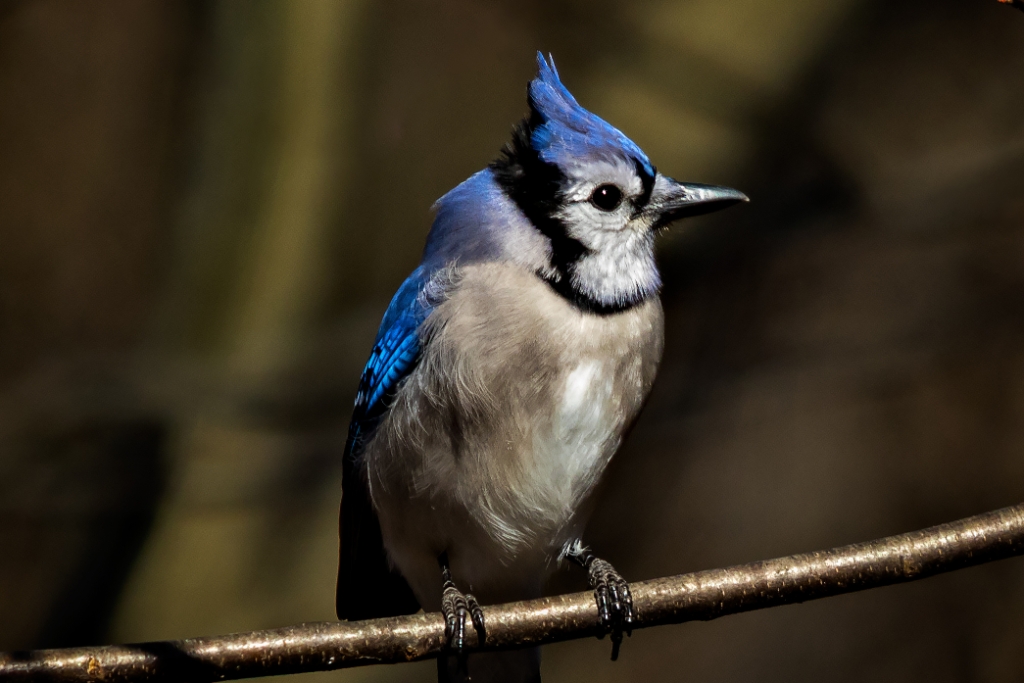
(559, 128)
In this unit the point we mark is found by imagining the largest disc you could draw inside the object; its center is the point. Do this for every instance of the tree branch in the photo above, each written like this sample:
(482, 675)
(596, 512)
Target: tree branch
(1019, 4)
(699, 596)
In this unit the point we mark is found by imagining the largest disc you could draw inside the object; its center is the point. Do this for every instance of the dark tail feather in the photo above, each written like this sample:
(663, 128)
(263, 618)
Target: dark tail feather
(367, 586)
(513, 666)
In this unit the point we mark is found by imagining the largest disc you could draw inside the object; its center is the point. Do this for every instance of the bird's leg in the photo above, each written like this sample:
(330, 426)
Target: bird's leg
(456, 606)
(614, 599)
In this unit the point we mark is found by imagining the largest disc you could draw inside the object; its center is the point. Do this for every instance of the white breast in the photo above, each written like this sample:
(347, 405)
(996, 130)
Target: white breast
(584, 432)
(495, 442)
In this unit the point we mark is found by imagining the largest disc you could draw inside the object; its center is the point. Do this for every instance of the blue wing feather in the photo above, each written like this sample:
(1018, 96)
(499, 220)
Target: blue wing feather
(367, 585)
(395, 352)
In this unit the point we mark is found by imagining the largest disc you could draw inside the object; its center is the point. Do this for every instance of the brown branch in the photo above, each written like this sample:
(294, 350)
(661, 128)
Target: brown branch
(699, 596)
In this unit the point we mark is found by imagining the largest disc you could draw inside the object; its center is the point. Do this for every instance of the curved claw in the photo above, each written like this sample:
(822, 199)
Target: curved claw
(629, 612)
(477, 614)
(456, 607)
(615, 610)
(614, 601)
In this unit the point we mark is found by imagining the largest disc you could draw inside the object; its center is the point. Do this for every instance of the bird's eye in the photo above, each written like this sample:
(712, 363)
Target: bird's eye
(606, 197)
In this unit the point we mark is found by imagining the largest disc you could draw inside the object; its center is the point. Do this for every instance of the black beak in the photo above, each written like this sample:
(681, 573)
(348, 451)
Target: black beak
(672, 200)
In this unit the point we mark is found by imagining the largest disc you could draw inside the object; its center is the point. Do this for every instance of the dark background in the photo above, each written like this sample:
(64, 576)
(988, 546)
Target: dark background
(205, 207)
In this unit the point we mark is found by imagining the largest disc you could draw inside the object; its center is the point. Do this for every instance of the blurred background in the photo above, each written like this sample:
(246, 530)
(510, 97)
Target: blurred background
(205, 207)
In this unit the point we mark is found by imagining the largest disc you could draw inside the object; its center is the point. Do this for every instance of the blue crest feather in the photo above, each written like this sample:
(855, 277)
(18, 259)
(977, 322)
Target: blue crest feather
(561, 129)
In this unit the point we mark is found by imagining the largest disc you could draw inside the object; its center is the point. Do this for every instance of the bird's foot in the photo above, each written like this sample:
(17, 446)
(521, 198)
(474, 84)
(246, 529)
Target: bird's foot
(615, 609)
(614, 601)
(456, 606)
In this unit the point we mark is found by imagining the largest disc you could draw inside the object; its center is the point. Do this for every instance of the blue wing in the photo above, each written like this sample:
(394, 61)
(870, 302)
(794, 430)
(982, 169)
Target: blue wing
(367, 586)
(395, 352)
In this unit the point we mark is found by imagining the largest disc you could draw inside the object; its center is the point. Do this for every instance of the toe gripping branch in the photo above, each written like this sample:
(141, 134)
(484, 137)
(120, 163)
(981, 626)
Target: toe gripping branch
(456, 606)
(614, 599)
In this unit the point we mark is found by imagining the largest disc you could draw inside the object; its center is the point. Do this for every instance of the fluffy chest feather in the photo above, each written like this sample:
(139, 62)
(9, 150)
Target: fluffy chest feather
(585, 428)
(518, 403)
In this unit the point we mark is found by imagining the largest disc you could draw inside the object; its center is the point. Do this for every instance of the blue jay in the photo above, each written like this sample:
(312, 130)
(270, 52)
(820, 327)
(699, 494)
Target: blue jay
(507, 370)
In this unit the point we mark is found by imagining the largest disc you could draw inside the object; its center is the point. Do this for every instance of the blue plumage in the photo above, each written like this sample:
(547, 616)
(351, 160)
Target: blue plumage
(473, 450)
(567, 132)
(395, 349)
(363, 559)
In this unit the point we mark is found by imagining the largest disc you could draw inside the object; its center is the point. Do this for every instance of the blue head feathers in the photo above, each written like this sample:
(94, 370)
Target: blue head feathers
(557, 152)
(561, 129)
(587, 189)
(559, 135)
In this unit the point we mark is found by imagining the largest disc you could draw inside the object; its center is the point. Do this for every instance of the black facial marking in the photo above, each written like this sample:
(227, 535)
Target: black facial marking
(647, 182)
(536, 187)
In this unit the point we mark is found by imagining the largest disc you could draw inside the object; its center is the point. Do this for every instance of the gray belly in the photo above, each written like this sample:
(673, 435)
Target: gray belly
(496, 441)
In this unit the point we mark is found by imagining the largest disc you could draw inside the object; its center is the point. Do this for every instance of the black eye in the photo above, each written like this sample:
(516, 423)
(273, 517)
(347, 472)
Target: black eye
(606, 197)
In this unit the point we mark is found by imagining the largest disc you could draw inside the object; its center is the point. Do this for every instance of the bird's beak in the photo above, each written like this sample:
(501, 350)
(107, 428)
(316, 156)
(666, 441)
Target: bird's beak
(672, 200)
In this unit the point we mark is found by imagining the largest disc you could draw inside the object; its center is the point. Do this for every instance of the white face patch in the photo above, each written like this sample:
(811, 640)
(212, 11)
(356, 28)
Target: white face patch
(618, 267)
(585, 176)
(619, 274)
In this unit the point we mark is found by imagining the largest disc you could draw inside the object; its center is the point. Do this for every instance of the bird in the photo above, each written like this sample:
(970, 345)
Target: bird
(506, 372)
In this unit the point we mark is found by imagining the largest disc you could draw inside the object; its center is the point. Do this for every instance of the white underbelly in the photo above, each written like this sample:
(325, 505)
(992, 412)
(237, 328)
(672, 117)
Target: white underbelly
(585, 430)
(495, 443)
(505, 522)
